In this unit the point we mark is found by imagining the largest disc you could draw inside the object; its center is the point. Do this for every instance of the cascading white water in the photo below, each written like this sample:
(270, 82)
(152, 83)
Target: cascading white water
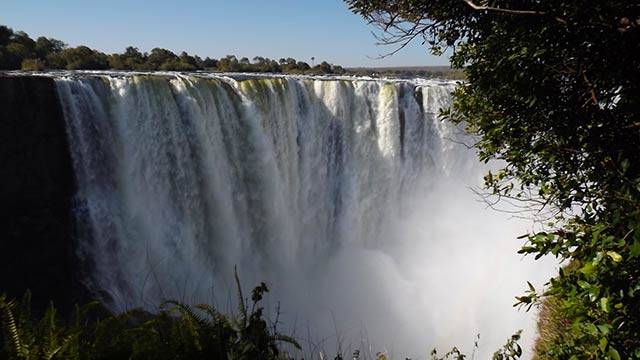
(346, 196)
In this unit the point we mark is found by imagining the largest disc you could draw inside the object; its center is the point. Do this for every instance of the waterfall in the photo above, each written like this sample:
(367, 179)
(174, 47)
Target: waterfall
(342, 194)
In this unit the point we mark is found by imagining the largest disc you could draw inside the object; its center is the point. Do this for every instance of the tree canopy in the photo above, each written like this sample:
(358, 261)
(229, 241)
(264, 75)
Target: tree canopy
(553, 89)
(19, 51)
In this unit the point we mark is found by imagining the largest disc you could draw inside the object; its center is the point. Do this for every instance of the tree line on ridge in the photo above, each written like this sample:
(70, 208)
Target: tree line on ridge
(18, 51)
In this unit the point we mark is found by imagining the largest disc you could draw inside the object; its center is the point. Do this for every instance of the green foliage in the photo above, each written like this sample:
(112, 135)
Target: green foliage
(80, 58)
(45, 46)
(553, 90)
(26, 338)
(177, 331)
(19, 51)
(553, 323)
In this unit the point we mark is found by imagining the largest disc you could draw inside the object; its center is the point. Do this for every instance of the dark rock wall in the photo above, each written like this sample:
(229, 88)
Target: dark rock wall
(36, 190)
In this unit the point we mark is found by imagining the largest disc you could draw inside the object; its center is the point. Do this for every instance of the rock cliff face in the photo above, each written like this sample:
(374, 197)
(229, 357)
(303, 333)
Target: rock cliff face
(36, 190)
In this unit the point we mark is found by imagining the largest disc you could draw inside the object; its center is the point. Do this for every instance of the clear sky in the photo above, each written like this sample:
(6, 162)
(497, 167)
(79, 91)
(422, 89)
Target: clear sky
(278, 28)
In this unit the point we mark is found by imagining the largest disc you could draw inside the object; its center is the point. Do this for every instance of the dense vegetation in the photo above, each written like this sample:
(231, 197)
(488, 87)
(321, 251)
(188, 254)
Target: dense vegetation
(177, 331)
(19, 51)
(553, 89)
(439, 72)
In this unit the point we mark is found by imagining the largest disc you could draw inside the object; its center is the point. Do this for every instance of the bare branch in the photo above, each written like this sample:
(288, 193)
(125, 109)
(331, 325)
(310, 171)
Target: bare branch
(500, 10)
(460, 142)
(510, 11)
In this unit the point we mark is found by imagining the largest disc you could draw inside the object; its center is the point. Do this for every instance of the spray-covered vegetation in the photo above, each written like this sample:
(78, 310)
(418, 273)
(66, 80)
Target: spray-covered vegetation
(553, 90)
(176, 331)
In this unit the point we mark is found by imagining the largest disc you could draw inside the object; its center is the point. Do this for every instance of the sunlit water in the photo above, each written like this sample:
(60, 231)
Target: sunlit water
(348, 197)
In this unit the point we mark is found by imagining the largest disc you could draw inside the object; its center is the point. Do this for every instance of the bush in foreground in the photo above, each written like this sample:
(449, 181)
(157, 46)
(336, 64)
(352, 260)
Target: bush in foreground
(177, 331)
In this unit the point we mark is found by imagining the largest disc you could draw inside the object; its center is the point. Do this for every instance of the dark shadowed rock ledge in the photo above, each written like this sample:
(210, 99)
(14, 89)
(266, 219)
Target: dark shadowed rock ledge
(36, 190)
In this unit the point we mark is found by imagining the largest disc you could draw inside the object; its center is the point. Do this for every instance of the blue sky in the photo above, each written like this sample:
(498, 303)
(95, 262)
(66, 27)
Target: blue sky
(278, 28)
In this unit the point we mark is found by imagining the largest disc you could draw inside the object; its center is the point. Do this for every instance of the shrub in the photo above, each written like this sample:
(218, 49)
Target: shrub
(32, 65)
(177, 331)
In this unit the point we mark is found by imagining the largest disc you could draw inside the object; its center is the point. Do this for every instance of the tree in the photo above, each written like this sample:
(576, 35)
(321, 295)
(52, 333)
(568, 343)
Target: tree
(325, 67)
(78, 58)
(21, 37)
(303, 66)
(56, 61)
(132, 59)
(228, 63)
(210, 63)
(158, 57)
(18, 50)
(337, 69)
(15, 53)
(45, 46)
(199, 62)
(553, 89)
(5, 35)
(188, 61)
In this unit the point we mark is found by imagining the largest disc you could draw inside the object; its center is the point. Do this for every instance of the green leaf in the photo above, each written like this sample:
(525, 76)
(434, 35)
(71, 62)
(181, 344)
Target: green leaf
(613, 353)
(591, 329)
(531, 287)
(625, 165)
(604, 304)
(594, 292)
(587, 269)
(597, 258)
(604, 329)
(583, 284)
(614, 256)
(603, 344)
(634, 250)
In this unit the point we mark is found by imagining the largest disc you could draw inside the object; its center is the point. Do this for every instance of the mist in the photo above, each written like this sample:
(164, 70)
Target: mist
(447, 271)
(349, 198)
